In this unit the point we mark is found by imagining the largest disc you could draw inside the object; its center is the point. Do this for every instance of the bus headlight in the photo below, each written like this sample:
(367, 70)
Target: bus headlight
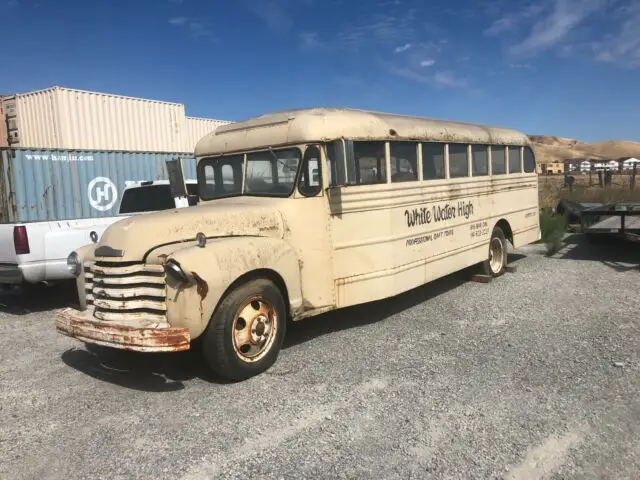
(73, 264)
(174, 270)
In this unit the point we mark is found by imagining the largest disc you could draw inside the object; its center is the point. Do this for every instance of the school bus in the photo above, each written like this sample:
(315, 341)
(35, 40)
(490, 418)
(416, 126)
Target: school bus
(302, 212)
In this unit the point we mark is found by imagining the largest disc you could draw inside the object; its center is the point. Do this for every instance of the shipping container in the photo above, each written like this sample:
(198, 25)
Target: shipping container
(50, 185)
(196, 128)
(62, 118)
(4, 135)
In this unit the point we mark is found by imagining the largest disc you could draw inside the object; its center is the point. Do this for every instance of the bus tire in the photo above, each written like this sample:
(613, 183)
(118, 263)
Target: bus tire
(496, 261)
(246, 331)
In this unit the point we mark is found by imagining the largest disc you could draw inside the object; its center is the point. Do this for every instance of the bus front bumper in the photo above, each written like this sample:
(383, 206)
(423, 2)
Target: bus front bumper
(137, 335)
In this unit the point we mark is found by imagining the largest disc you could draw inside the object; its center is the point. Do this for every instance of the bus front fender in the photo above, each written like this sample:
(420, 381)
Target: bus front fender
(212, 269)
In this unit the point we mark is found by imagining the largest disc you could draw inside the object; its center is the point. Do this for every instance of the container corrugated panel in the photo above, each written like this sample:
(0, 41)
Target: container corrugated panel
(62, 118)
(49, 185)
(7, 206)
(196, 128)
(4, 136)
(32, 120)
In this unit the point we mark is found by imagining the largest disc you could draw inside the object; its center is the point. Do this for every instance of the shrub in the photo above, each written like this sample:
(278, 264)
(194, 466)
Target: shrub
(552, 228)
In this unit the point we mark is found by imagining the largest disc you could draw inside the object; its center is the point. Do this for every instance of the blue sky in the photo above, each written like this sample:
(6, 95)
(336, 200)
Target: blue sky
(558, 67)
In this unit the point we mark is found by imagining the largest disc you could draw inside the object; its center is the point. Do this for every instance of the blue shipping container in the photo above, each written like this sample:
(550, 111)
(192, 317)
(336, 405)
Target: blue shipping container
(49, 185)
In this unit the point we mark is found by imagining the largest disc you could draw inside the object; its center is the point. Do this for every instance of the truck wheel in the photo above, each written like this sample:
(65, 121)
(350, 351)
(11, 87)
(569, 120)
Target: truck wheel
(246, 331)
(496, 262)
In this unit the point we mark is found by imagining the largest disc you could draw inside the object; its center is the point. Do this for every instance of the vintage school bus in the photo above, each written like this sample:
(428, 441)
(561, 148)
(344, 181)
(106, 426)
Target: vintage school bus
(302, 212)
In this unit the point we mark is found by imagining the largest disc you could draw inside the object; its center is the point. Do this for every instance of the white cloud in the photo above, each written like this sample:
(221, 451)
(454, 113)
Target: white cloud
(178, 21)
(199, 29)
(439, 79)
(196, 28)
(449, 79)
(510, 21)
(309, 40)
(427, 63)
(275, 13)
(383, 29)
(554, 27)
(501, 25)
(623, 47)
(402, 48)
(411, 75)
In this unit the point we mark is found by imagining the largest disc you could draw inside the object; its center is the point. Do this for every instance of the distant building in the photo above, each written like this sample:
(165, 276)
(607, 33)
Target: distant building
(551, 168)
(630, 162)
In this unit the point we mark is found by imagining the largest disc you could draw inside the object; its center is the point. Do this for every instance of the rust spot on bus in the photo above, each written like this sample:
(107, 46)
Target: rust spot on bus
(124, 337)
(203, 289)
(201, 286)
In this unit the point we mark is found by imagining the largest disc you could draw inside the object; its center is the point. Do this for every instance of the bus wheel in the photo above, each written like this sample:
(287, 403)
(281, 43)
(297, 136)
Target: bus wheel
(496, 262)
(246, 331)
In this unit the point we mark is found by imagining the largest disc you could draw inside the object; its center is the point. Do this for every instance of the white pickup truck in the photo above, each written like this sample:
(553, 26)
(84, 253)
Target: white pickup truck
(36, 252)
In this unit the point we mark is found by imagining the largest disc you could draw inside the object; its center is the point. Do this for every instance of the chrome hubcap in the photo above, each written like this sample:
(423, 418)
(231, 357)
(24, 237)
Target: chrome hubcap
(496, 255)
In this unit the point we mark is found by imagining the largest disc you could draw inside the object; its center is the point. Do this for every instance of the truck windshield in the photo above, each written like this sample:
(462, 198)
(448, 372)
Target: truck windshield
(270, 173)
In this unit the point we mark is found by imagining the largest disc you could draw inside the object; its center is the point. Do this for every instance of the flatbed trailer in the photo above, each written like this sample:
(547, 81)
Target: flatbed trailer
(620, 220)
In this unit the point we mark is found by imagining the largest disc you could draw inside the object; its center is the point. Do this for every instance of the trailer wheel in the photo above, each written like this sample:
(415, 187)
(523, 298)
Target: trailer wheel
(496, 262)
(246, 331)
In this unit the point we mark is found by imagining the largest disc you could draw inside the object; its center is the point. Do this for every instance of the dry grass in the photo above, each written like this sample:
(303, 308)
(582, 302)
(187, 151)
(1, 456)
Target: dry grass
(551, 190)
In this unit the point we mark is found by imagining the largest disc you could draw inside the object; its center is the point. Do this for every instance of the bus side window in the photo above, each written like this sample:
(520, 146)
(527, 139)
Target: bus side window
(404, 161)
(336, 163)
(480, 160)
(498, 160)
(309, 184)
(529, 160)
(433, 161)
(370, 162)
(458, 164)
(514, 159)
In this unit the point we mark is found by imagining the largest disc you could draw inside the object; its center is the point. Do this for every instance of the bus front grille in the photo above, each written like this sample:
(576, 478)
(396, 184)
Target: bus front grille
(122, 290)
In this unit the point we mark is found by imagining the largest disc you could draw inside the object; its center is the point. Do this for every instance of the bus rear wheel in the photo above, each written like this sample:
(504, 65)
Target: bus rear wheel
(246, 331)
(496, 262)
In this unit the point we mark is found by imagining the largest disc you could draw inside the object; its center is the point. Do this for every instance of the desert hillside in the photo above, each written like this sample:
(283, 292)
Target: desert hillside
(556, 149)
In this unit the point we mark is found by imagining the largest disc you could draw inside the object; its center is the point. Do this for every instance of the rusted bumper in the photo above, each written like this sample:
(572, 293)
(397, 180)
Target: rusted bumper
(139, 336)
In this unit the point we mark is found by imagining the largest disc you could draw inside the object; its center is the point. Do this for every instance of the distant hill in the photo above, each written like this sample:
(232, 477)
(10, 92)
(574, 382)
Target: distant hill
(550, 149)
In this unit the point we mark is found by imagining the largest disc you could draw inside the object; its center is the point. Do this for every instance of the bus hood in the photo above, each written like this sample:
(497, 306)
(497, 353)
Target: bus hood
(131, 238)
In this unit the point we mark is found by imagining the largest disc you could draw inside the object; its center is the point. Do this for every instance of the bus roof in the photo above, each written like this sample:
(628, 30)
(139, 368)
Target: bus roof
(326, 124)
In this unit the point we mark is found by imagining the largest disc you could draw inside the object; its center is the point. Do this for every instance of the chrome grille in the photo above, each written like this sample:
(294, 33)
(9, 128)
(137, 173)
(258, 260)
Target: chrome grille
(120, 290)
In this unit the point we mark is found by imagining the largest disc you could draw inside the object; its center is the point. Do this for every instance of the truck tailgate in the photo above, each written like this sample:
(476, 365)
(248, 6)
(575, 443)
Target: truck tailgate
(49, 245)
(7, 251)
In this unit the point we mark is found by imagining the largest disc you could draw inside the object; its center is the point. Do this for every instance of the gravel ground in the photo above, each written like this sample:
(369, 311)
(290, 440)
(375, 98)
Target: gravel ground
(535, 375)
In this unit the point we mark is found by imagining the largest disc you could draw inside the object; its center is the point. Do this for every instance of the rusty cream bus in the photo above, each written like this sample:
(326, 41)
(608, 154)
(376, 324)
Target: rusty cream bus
(302, 212)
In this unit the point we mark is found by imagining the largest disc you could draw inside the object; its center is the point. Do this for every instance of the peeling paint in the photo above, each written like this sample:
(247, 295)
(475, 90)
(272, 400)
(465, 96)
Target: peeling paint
(202, 288)
(141, 339)
(228, 217)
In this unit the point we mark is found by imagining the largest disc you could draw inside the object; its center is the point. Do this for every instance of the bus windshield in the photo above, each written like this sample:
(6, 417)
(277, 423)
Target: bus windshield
(269, 173)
